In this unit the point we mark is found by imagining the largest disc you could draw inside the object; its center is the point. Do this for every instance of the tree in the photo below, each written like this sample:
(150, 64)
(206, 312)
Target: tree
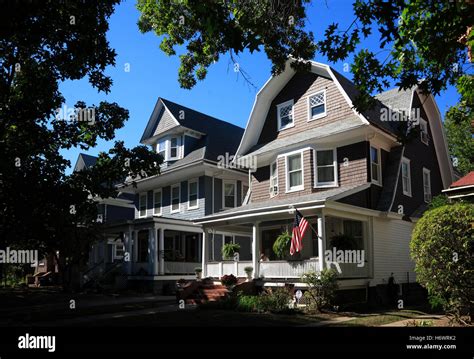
(322, 288)
(458, 125)
(442, 247)
(41, 45)
(427, 40)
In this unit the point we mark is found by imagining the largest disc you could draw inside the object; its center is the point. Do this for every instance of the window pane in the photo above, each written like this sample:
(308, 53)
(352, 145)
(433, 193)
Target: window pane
(296, 179)
(193, 188)
(294, 162)
(229, 201)
(375, 172)
(405, 184)
(326, 174)
(143, 205)
(404, 169)
(317, 110)
(325, 158)
(175, 198)
(374, 155)
(174, 147)
(285, 114)
(229, 189)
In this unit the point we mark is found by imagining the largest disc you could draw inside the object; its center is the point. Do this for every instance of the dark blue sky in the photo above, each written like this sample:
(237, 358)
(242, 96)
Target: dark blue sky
(223, 94)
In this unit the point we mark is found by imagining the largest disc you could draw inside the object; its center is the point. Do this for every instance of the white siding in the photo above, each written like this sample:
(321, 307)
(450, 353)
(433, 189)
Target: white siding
(392, 251)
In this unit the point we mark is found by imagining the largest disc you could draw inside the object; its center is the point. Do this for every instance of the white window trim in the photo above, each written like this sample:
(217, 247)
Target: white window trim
(195, 180)
(284, 104)
(287, 177)
(426, 170)
(407, 161)
(167, 151)
(224, 182)
(425, 123)
(277, 184)
(321, 115)
(140, 204)
(379, 165)
(161, 202)
(335, 183)
(171, 197)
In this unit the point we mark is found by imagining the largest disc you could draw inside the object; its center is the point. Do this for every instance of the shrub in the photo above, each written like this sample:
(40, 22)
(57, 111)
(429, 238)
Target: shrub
(276, 300)
(198, 270)
(438, 201)
(321, 289)
(248, 270)
(441, 246)
(229, 280)
(281, 246)
(229, 249)
(249, 303)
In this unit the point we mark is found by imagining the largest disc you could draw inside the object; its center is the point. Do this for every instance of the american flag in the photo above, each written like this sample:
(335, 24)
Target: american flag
(299, 229)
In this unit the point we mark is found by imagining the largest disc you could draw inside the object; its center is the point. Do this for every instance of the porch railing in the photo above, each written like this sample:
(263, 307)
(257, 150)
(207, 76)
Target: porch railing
(288, 269)
(218, 269)
(180, 267)
(283, 269)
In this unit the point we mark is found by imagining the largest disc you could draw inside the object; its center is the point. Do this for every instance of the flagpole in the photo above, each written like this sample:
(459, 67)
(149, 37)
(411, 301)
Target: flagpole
(311, 226)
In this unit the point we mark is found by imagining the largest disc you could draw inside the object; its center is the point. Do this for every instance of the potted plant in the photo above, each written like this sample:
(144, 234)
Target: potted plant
(229, 249)
(248, 271)
(282, 244)
(229, 280)
(198, 271)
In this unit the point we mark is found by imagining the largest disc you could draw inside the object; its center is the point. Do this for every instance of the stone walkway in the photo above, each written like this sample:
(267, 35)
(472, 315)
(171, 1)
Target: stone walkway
(408, 322)
(323, 323)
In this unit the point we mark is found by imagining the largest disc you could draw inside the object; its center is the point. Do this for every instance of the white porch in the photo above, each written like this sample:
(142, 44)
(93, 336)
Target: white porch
(262, 232)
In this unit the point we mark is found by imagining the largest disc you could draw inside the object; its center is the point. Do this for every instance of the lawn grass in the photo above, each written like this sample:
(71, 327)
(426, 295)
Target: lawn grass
(377, 319)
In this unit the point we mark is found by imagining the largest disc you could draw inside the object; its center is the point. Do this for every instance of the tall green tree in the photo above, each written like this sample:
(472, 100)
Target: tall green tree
(426, 40)
(41, 45)
(459, 131)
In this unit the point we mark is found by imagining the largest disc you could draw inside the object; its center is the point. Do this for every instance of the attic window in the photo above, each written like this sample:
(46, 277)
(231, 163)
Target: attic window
(174, 147)
(424, 131)
(317, 105)
(285, 115)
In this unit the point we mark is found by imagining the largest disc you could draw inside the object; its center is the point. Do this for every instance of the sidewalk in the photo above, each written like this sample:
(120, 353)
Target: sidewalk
(408, 322)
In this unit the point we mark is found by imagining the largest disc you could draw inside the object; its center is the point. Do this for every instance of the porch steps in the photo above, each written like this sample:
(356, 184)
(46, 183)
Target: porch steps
(203, 292)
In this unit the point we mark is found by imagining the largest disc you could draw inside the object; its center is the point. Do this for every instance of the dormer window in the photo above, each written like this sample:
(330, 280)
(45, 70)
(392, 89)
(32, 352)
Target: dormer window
(173, 148)
(317, 105)
(285, 115)
(170, 148)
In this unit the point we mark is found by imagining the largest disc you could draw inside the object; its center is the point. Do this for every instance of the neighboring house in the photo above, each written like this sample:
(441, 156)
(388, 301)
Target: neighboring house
(108, 253)
(344, 171)
(161, 239)
(462, 189)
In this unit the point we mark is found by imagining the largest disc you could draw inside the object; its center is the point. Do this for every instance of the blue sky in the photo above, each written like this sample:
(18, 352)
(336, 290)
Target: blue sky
(223, 94)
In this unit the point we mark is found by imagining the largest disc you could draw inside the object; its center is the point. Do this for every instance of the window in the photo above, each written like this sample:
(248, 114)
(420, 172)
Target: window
(142, 247)
(426, 185)
(193, 194)
(424, 131)
(317, 105)
(175, 198)
(273, 179)
(157, 202)
(406, 177)
(285, 115)
(174, 148)
(375, 167)
(294, 172)
(229, 194)
(354, 229)
(142, 205)
(161, 149)
(326, 168)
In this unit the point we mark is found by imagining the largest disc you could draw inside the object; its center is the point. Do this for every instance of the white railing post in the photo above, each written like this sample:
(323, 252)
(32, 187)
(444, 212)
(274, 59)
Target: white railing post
(321, 240)
(204, 252)
(255, 249)
(161, 251)
(236, 268)
(221, 269)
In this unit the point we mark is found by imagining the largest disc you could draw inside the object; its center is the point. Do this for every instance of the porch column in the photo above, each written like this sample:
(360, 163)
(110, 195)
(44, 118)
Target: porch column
(152, 252)
(135, 247)
(255, 249)
(204, 252)
(161, 251)
(128, 250)
(321, 240)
